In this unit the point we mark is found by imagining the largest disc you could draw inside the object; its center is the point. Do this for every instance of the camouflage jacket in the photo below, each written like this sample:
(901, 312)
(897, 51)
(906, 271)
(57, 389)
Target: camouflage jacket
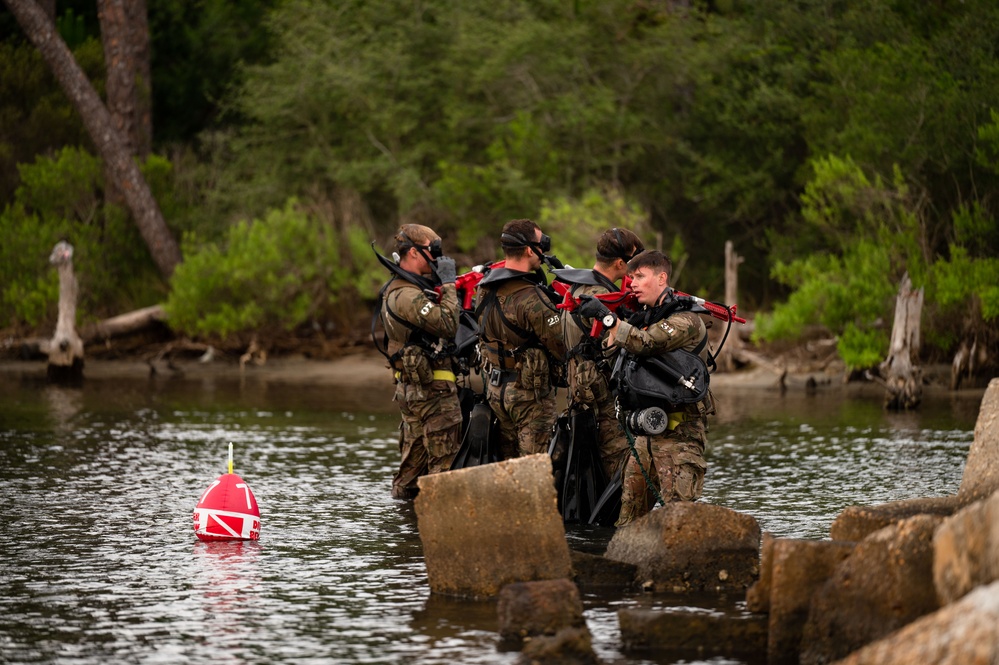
(410, 316)
(682, 330)
(576, 329)
(535, 321)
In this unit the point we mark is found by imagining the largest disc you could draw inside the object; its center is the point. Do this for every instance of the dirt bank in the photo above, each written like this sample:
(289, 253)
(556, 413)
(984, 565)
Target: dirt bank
(363, 370)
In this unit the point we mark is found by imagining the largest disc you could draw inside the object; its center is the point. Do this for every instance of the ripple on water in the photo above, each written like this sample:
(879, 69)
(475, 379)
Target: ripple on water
(100, 564)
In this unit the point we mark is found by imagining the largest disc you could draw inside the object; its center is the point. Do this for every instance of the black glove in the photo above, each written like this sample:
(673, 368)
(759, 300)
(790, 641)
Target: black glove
(592, 308)
(446, 270)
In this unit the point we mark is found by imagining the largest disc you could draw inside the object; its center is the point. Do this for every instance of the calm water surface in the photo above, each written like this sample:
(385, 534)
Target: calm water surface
(99, 563)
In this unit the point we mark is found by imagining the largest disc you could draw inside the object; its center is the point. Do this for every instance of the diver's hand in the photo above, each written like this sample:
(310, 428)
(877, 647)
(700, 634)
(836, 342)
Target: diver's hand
(592, 308)
(446, 270)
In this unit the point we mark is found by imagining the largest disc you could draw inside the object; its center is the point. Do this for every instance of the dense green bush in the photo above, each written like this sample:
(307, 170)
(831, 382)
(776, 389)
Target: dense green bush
(60, 198)
(271, 274)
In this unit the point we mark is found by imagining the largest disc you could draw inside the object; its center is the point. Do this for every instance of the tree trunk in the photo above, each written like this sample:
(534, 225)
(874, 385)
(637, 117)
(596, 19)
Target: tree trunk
(902, 378)
(111, 147)
(733, 344)
(125, 37)
(66, 347)
(49, 7)
(123, 324)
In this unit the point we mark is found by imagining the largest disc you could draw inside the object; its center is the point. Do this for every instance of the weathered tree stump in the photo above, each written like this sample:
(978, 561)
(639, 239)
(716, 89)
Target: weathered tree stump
(903, 380)
(732, 351)
(66, 347)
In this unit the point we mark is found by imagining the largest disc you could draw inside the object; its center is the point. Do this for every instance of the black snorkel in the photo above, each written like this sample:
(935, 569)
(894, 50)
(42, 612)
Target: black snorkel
(424, 283)
(539, 247)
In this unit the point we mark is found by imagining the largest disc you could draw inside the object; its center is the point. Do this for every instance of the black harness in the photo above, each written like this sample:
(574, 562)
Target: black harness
(435, 347)
(489, 303)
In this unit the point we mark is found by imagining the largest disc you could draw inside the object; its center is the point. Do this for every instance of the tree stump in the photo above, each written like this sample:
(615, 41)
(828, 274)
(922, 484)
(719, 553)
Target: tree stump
(903, 379)
(66, 347)
(734, 347)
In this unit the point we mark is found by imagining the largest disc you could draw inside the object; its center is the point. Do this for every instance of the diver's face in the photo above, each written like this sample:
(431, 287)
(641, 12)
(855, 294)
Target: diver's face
(648, 285)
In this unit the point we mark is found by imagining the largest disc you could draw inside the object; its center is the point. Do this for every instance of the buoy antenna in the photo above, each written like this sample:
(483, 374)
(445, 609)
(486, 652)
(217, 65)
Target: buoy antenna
(230, 457)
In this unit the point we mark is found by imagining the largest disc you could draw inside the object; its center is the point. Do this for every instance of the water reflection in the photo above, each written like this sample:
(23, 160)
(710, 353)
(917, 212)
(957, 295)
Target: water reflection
(99, 562)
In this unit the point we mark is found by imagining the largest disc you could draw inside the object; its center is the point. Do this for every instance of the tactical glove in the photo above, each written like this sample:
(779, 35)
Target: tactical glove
(592, 308)
(446, 270)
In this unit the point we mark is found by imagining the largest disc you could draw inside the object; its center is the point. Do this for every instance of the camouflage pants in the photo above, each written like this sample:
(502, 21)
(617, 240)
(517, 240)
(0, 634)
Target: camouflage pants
(673, 461)
(525, 420)
(429, 433)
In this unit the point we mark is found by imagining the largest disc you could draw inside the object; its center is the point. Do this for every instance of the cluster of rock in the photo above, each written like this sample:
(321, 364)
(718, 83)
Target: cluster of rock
(904, 582)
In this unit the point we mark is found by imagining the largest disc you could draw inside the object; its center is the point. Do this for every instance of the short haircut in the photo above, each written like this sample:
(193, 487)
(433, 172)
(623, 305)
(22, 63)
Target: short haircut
(618, 243)
(523, 228)
(652, 259)
(410, 235)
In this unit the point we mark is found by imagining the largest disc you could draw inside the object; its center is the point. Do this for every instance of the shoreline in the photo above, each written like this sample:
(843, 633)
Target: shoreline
(367, 369)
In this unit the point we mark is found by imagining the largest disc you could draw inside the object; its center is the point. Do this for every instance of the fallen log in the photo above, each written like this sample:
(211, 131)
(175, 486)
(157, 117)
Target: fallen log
(123, 324)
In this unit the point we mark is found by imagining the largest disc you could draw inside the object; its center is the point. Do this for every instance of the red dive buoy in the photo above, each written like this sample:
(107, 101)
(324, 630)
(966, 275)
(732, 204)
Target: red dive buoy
(227, 510)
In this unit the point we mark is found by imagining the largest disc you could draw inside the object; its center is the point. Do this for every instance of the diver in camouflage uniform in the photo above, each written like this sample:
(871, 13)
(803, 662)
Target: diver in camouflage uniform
(520, 340)
(420, 333)
(674, 460)
(589, 364)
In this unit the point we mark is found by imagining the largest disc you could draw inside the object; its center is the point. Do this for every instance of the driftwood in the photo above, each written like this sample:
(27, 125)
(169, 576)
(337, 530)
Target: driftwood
(731, 353)
(123, 324)
(902, 378)
(65, 349)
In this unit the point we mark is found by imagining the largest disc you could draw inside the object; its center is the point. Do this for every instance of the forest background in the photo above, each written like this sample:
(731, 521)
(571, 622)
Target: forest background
(839, 144)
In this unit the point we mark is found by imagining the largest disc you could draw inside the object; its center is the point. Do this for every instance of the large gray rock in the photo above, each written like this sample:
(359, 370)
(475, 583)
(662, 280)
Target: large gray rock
(966, 550)
(528, 609)
(798, 568)
(690, 633)
(885, 583)
(981, 473)
(685, 547)
(858, 522)
(490, 525)
(964, 633)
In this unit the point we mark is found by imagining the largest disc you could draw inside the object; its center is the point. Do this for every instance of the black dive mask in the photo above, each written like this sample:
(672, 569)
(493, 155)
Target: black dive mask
(435, 248)
(513, 240)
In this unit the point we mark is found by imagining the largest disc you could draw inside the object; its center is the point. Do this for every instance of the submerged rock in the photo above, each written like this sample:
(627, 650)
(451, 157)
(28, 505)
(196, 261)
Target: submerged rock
(529, 609)
(700, 633)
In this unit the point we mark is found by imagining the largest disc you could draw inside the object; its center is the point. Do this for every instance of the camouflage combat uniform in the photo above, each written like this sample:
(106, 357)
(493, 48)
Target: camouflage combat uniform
(518, 364)
(425, 385)
(677, 455)
(588, 371)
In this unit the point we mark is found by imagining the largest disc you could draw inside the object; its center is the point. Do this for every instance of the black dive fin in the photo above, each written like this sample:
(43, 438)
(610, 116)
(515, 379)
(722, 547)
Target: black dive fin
(608, 506)
(585, 479)
(466, 401)
(558, 450)
(478, 445)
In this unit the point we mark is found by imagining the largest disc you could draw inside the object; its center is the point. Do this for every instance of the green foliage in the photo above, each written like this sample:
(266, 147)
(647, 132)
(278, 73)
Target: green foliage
(273, 273)
(36, 118)
(197, 51)
(575, 224)
(961, 280)
(60, 199)
(872, 237)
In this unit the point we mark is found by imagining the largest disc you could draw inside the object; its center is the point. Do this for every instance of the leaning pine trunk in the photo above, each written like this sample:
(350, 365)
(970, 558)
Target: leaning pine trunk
(903, 379)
